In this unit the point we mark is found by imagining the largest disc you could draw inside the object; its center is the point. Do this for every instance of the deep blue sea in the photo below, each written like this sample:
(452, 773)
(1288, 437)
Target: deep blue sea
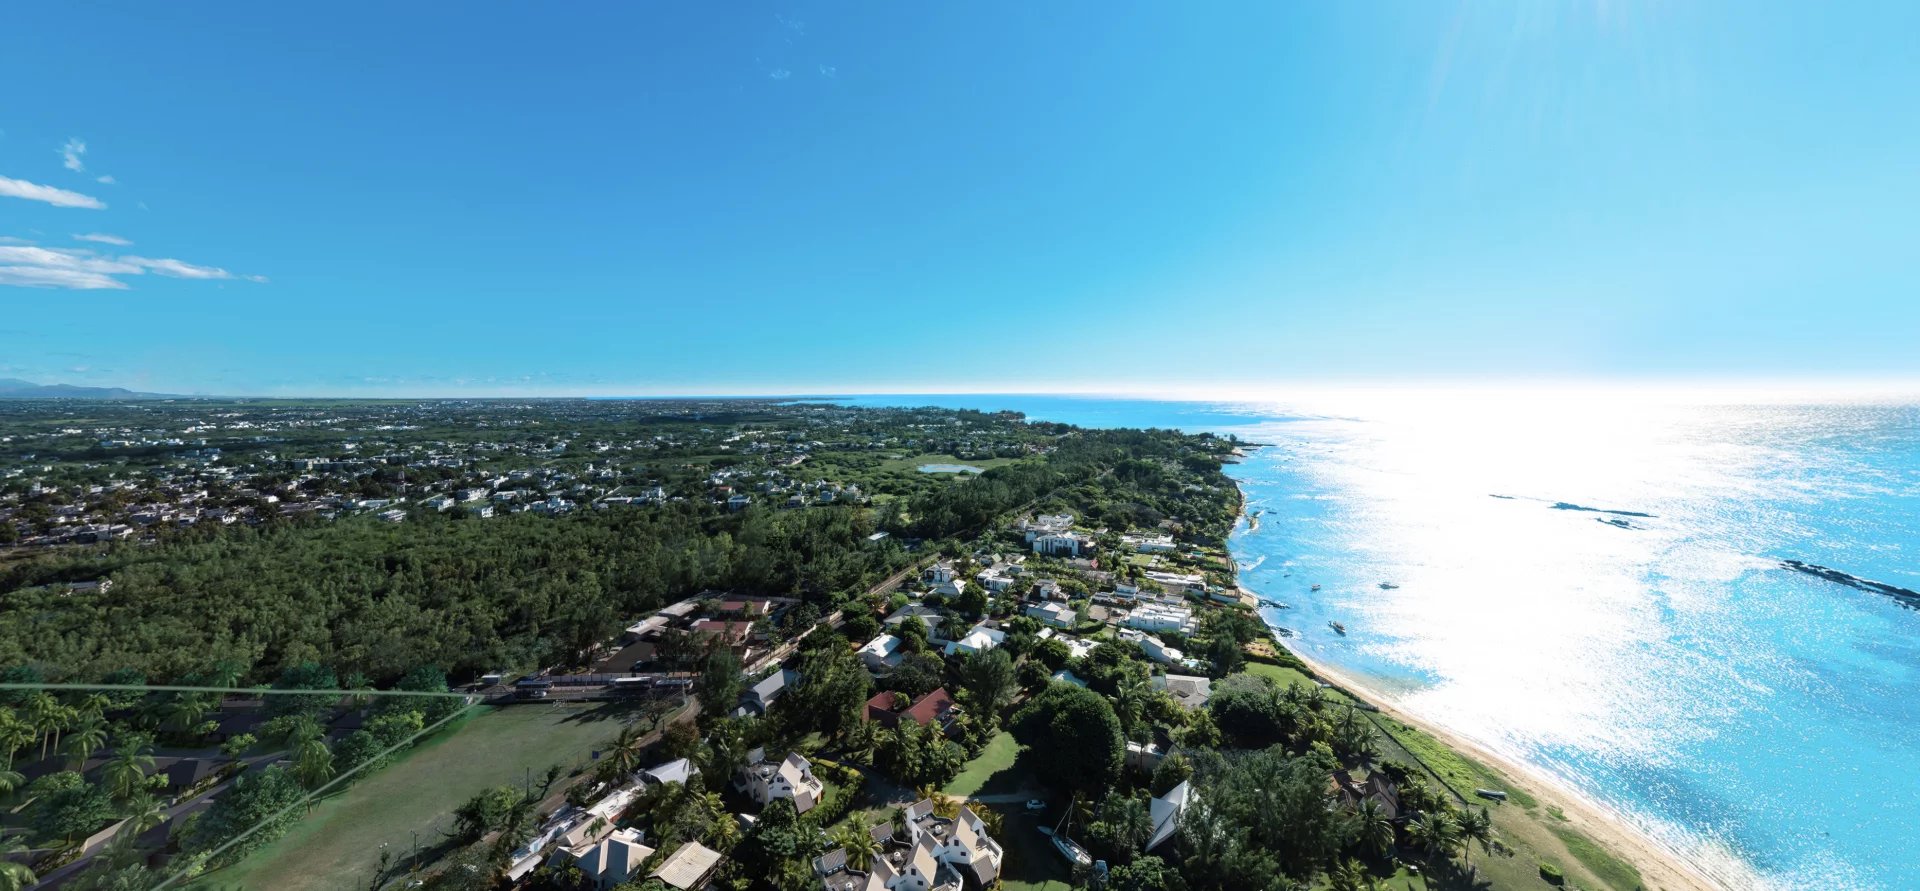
(1593, 586)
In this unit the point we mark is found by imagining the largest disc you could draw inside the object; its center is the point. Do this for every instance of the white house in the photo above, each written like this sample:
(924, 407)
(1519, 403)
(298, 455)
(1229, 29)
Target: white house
(1046, 524)
(978, 640)
(1154, 647)
(1149, 544)
(881, 653)
(763, 780)
(1157, 617)
(1063, 544)
(952, 587)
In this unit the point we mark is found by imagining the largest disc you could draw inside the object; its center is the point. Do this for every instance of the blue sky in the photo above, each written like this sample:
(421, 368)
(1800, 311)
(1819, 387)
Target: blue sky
(737, 198)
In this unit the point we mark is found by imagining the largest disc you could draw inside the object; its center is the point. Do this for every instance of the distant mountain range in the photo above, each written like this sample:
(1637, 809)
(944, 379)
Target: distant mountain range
(14, 388)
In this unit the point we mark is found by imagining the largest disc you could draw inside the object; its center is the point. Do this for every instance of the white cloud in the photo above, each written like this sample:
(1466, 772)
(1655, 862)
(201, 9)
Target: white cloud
(103, 238)
(779, 74)
(20, 188)
(828, 71)
(106, 180)
(72, 152)
(82, 269)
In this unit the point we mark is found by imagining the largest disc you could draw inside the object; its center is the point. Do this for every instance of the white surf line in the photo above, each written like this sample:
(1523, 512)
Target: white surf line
(310, 796)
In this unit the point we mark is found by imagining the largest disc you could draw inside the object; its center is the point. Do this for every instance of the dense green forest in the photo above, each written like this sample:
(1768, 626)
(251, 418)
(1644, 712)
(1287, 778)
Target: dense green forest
(379, 598)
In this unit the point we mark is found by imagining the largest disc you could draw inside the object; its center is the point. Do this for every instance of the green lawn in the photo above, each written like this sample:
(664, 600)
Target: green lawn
(1284, 676)
(996, 762)
(1032, 864)
(338, 844)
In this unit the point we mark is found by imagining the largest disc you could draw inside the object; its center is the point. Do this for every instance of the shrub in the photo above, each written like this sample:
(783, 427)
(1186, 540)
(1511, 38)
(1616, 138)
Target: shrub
(1552, 874)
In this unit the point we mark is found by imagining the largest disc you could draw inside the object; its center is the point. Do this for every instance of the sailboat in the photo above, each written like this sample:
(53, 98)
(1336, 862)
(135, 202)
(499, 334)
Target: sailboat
(1067, 847)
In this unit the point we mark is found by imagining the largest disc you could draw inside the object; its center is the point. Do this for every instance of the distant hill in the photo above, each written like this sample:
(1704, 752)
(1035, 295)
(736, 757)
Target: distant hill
(14, 388)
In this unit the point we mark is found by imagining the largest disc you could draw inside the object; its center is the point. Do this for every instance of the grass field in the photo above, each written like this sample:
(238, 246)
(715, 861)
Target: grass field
(994, 768)
(338, 845)
(1031, 863)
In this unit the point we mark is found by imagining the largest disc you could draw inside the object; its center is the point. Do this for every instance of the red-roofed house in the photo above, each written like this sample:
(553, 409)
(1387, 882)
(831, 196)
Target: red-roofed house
(934, 708)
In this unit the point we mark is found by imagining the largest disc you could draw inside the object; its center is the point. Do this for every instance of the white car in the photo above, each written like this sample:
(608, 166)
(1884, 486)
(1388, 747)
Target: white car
(1035, 805)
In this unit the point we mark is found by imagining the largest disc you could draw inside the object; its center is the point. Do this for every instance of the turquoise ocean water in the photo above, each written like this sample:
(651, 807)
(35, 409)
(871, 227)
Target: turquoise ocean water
(1594, 587)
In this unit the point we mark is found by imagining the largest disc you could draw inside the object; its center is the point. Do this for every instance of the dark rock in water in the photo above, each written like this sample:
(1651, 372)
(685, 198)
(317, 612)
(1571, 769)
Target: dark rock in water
(1906, 596)
(1567, 505)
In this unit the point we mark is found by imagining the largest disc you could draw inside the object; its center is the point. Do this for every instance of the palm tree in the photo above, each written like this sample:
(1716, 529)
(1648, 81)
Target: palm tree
(126, 773)
(96, 704)
(722, 834)
(144, 812)
(183, 713)
(11, 780)
(1437, 834)
(15, 734)
(627, 748)
(14, 876)
(87, 738)
(301, 729)
(859, 844)
(990, 818)
(43, 713)
(1348, 875)
(1375, 830)
(1475, 826)
(1129, 703)
(312, 762)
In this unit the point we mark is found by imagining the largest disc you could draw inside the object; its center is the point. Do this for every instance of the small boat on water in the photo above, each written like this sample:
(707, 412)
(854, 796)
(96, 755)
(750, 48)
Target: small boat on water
(1338, 628)
(1314, 588)
(1388, 586)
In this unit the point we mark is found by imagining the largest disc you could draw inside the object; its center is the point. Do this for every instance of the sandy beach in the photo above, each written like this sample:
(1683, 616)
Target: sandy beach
(1659, 867)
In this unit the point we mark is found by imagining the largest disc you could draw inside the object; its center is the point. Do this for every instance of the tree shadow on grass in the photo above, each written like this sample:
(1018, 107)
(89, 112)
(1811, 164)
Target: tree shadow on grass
(1015, 777)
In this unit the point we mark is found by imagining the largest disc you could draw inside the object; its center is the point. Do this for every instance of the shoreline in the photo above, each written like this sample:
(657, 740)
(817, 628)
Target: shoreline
(1660, 867)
